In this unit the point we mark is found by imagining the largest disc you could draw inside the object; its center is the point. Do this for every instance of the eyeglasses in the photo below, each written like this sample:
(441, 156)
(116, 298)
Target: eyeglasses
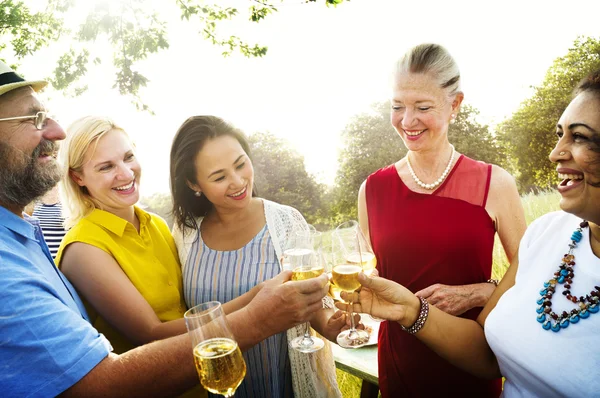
(39, 119)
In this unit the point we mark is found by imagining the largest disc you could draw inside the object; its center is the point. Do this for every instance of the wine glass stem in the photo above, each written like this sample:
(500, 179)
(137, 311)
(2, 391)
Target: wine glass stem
(352, 326)
(307, 331)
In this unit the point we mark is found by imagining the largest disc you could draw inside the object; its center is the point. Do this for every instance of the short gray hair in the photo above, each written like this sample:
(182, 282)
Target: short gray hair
(434, 60)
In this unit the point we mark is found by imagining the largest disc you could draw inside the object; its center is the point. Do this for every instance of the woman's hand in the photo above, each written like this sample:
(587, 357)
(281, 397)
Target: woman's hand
(456, 300)
(383, 298)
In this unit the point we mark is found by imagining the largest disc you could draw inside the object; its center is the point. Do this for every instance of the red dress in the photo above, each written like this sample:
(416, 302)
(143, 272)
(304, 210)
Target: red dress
(419, 240)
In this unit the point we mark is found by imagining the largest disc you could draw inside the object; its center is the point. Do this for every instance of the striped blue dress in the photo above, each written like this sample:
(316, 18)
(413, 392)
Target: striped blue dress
(212, 275)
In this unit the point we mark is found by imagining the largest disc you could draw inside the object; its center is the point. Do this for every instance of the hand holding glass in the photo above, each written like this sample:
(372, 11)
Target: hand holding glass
(218, 358)
(351, 256)
(302, 258)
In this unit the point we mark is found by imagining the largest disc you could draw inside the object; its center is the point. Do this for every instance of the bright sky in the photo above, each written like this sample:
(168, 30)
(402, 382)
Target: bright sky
(324, 65)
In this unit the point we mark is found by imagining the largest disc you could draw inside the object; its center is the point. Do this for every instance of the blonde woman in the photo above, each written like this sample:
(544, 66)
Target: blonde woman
(122, 259)
(431, 218)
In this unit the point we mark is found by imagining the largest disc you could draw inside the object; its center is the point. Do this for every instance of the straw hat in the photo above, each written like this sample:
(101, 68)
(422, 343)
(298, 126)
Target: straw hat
(9, 80)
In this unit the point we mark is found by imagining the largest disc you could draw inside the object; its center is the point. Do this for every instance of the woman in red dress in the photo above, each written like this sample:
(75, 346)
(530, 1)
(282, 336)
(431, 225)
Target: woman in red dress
(431, 218)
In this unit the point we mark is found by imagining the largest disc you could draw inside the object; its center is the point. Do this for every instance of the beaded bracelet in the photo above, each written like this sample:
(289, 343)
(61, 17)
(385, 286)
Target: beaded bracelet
(423, 313)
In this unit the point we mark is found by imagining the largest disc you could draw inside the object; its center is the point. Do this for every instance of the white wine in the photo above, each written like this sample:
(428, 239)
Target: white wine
(308, 272)
(345, 277)
(220, 365)
(368, 263)
(335, 292)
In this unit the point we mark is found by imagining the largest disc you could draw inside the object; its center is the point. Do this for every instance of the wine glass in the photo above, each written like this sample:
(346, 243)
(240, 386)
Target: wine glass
(348, 249)
(218, 358)
(363, 252)
(327, 258)
(302, 257)
(359, 249)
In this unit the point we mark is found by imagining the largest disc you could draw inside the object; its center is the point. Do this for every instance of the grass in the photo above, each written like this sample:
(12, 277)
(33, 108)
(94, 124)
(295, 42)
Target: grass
(349, 385)
(535, 205)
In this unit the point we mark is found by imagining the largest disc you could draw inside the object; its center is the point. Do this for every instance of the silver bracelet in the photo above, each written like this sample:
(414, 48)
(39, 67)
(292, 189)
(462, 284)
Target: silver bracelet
(494, 281)
(420, 322)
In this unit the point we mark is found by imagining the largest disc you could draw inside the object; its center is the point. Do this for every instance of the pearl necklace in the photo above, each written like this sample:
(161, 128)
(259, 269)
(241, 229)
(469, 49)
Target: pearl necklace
(586, 305)
(439, 180)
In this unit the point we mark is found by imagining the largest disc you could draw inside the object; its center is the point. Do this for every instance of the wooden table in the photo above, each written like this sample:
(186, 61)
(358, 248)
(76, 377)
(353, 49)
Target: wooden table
(360, 362)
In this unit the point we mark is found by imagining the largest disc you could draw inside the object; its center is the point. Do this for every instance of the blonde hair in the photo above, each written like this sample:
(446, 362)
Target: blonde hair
(434, 60)
(81, 135)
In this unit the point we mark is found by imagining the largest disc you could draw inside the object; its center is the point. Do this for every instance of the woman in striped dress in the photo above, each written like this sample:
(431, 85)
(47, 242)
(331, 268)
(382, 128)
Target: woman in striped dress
(230, 241)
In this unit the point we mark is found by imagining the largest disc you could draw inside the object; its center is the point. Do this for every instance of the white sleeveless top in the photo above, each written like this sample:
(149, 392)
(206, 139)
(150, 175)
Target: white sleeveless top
(538, 362)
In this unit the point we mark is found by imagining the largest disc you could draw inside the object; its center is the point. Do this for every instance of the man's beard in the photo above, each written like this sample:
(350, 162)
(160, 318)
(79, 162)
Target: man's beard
(22, 177)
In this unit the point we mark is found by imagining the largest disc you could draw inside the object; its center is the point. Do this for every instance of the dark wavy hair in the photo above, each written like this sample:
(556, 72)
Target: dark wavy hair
(189, 140)
(591, 84)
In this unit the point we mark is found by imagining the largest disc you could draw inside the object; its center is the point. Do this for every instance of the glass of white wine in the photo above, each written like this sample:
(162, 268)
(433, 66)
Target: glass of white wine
(219, 361)
(351, 256)
(357, 245)
(303, 259)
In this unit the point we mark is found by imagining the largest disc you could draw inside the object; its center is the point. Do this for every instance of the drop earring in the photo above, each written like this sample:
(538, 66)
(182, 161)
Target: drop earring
(452, 116)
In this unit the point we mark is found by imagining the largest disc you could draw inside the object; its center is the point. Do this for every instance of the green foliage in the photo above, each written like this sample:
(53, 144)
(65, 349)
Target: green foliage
(261, 11)
(370, 143)
(280, 175)
(350, 385)
(27, 32)
(535, 205)
(473, 139)
(134, 32)
(133, 29)
(70, 68)
(528, 135)
(209, 15)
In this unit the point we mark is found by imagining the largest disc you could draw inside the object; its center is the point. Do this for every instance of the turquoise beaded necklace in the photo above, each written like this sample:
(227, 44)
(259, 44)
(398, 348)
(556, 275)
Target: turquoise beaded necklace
(586, 304)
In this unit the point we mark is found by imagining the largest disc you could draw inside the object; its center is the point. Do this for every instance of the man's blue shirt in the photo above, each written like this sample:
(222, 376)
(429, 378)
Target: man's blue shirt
(46, 341)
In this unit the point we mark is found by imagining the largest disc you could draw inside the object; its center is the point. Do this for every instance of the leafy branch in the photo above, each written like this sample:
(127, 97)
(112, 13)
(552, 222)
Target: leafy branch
(133, 31)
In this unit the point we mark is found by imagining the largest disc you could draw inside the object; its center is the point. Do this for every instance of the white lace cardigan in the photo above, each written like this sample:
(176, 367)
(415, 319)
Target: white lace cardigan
(313, 375)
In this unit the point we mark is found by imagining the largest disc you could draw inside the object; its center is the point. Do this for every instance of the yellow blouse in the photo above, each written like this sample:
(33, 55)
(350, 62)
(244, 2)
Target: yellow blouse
(148, 258)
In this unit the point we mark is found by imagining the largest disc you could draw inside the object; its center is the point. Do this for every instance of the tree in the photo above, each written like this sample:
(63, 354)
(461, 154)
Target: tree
(25, 32)
(370, 142)
(529, 134)
(473, 139)
(133, 29)
(280, 175)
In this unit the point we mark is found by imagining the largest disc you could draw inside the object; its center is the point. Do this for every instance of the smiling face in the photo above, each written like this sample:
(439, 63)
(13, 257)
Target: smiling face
(421, 111)
(577, 154)
(110, 172)
(224, 173)
(28, 166)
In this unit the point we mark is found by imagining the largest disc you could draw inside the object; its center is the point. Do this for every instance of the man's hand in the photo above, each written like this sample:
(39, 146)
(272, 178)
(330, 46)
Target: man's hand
(456, 300)
(282, 304)
(383, 298)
